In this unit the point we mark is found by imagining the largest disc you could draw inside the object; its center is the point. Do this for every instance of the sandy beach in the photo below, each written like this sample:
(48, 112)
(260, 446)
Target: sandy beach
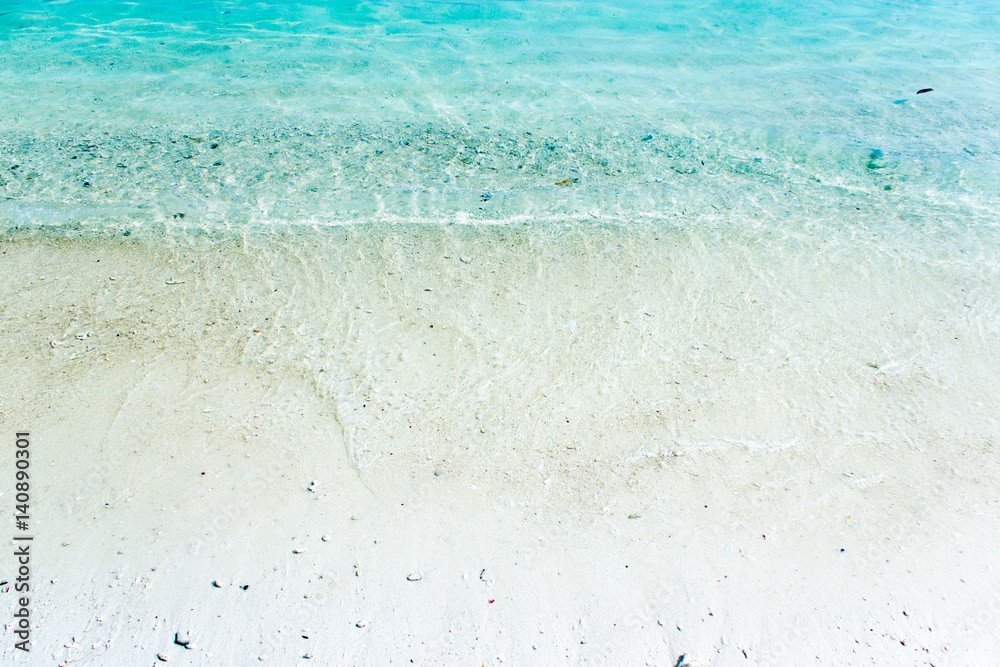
(508, 333)
(203, 494)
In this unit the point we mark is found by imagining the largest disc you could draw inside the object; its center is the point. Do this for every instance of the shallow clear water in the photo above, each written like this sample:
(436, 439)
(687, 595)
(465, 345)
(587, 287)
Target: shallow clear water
(640, 184)
(441, 110)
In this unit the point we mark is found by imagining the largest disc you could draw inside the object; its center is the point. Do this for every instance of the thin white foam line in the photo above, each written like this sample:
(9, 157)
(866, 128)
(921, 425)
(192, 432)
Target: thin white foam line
(455, 219)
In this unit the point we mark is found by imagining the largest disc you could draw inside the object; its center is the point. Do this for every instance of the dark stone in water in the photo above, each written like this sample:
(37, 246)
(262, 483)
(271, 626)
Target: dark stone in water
(874, 160)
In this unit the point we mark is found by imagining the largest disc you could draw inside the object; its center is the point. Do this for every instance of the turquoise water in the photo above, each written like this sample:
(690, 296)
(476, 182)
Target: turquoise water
(637, 184)
(233, 114)
(763, 179)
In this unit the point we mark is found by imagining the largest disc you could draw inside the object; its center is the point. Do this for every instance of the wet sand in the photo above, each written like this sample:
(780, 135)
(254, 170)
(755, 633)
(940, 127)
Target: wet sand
(466, 445)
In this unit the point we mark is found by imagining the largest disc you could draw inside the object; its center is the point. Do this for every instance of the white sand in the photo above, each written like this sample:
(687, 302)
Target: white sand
(609, 449)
